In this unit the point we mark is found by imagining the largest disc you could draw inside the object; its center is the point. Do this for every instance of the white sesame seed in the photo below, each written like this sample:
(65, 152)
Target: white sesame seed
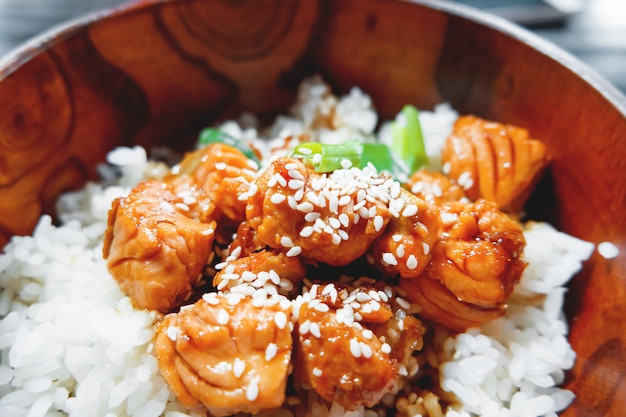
(355, 348)
(448, 218)
(305, 207)
(366, 350)
(378, 223)
(322, 307)
(411, 262)
(295, 251)
(346, 163)
(396, 238)
(222, 317)
(360, 196)
(248, 276)
(236, 252)
(229, 277)
(426, 248)
(306, 231)
(362, 297)
(286, 285)
(172, 333)
(291, 201)
(281, 180)
(385, 348)
(252, 390)
(403, 303)
(334, 223)
(336, 239)
(344, 219)
(368, 334)
(305, 327)
(295, 184)
(343, 234)
(344, 200)
(274, 277)
(211, 298)
(317, 158)
(317, 372)
(359, 206)
(410, 210)
(167, 207)
(286, 242)
(239, 367)
(220, 166)
(464, 178)
(277, 198)
(311, 217)
(305, 151)
(333, 204)
(263, 276)
(272, 182)
(389, 259)
(294, 173)
(417, 187)
(315, 329)
(270, 351)
(234, 298)
(400, 251)
(299, 194)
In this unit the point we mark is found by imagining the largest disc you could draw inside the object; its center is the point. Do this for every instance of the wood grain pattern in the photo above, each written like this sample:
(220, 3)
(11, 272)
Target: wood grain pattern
(157, 71)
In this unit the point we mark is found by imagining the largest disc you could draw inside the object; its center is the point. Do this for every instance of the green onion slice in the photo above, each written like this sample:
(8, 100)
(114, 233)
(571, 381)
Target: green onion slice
(326, 157)
(408, 140)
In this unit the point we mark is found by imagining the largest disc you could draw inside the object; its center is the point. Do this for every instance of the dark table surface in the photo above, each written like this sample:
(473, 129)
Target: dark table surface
(592, 30)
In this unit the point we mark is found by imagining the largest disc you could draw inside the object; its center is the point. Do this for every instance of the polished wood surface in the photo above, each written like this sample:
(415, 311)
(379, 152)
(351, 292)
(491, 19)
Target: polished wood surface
(158, 71)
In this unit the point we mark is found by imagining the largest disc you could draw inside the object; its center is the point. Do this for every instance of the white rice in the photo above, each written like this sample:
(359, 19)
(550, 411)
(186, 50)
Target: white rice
(72, 345)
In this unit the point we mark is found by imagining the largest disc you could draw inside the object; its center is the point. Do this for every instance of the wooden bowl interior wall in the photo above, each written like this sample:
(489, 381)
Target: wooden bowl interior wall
(155, 72)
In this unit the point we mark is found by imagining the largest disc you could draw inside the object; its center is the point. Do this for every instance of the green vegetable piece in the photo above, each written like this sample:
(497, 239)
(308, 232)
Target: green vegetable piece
(326, 157)
(408, 140)
(379, 155)
(211, 135)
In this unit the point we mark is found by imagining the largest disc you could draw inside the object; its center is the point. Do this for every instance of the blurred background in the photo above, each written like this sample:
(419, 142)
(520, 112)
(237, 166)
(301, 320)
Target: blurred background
(592, 30)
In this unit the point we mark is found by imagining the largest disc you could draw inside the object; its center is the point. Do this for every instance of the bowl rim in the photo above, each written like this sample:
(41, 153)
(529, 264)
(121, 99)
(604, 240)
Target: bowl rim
(23, 52)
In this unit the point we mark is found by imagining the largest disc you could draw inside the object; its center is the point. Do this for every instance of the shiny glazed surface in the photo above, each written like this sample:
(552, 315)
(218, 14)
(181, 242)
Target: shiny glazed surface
(155, 72)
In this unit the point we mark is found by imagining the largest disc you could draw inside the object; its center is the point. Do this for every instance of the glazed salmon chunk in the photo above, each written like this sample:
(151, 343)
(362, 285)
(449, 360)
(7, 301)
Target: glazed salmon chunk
(227, 353)
(271, 270)
(495, 161)
(323, 218)
(346, 353)
(434, 187)
(158, 240)
(224, 173)
(475, 265)
(404, 247)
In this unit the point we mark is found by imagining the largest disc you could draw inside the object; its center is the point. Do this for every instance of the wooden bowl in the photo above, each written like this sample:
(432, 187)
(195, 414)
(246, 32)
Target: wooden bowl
(154, 72)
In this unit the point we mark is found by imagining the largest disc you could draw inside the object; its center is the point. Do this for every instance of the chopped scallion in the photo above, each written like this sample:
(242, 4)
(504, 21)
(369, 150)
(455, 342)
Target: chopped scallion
(408, 140)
